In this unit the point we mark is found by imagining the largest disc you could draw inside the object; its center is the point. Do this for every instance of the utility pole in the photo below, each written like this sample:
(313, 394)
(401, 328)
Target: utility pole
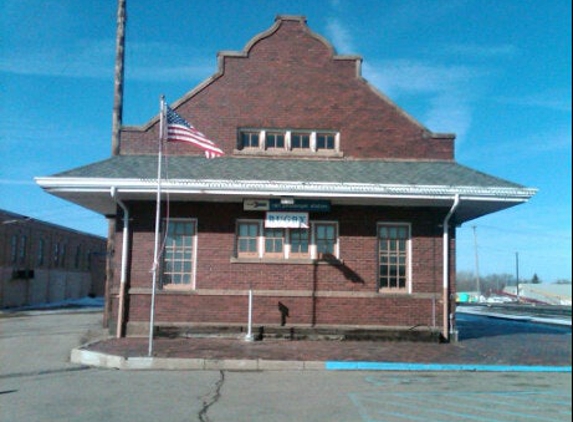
(117, 114)
(478, 286)
(115, 147)
(517, 275)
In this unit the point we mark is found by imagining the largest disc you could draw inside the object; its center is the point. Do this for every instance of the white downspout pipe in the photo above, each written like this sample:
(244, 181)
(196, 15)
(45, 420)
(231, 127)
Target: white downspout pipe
(446, 265)
(124, 251)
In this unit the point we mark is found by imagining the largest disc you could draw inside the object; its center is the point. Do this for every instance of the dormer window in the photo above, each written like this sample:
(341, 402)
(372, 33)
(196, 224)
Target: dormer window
(283, 142)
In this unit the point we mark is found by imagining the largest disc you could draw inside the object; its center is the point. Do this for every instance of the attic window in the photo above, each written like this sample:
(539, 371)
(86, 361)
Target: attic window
(282, 142)
(300, 140)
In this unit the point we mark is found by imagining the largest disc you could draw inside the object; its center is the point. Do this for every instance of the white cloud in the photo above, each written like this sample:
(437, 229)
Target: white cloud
(339, 36)
(445, 89)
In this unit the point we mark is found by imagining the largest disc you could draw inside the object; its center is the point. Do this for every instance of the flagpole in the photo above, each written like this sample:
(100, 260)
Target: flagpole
(156, 252)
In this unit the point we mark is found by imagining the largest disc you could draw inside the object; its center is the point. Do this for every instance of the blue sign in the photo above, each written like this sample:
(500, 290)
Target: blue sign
(307, 205)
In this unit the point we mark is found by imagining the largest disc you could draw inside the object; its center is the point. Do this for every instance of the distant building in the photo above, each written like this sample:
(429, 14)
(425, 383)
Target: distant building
(542, 293)
(334, 206)
(43, 263)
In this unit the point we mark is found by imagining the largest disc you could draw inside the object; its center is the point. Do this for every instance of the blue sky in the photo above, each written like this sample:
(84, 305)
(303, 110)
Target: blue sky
(496, 73)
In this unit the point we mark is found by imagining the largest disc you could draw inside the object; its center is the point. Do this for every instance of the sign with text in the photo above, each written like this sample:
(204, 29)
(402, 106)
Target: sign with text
(256, 204)
(283, 220)
(275, 204)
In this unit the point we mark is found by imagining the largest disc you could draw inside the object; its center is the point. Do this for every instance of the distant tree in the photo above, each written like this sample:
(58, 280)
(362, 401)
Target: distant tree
(496, 282)
(465, 281)
(562, 281)
(535, 279)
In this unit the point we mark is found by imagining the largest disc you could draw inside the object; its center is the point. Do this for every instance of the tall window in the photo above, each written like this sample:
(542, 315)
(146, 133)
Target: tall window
(78, 257)
(325, 239)
(14, 249)
(393, 244)
(179, 254)
(247, 238)
(299, 242)
(274, 242)
(40, 254)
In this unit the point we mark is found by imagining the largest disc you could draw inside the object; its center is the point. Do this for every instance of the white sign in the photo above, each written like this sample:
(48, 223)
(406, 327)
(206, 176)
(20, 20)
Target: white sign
(291, 220)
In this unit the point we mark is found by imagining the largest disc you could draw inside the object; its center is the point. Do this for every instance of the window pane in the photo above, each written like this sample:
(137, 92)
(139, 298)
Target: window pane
(300, 140)
(178, 253)
(325, 238)
(275, 140)
(392, 256)
(274, 240)
(299, 241)
(324, 141)
(250, 139)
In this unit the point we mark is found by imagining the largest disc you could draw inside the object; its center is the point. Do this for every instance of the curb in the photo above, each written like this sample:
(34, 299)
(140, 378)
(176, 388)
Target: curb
(103, 360)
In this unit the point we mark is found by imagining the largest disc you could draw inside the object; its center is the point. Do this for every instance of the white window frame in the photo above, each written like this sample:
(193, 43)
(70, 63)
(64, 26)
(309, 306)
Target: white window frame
(408, 287)
(259, 239)
(314, 249)
(265, 149)
(194, 243)
(287, 253)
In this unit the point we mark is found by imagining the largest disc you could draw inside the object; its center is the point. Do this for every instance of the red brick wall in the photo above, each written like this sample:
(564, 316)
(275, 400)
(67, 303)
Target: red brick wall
(290, 79)
(344, 294)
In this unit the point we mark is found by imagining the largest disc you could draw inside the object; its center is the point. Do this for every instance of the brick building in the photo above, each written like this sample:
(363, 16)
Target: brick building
(43, 263)
(332, 205)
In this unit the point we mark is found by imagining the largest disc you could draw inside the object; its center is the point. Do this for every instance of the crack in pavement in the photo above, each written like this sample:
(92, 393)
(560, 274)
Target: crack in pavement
(211, 399)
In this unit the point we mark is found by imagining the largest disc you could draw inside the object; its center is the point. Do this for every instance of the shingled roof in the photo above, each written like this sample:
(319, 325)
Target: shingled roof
(424, 173)
(367, 182)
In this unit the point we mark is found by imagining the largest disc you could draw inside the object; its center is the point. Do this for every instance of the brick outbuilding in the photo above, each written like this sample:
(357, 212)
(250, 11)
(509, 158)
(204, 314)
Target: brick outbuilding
(332, 206)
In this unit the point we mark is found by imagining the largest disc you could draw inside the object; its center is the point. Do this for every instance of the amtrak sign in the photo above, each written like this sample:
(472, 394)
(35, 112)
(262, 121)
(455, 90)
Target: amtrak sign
(290, 220)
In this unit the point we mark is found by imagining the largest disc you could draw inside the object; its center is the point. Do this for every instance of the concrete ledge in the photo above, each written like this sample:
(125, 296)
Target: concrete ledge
(231, 364)
(89, 358)
(280, 365)
(102, 360)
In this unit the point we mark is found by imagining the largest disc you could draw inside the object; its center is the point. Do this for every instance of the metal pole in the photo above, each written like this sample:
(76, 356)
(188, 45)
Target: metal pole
(157, 228)
(517, 275)
(478, 286)
(249, 336)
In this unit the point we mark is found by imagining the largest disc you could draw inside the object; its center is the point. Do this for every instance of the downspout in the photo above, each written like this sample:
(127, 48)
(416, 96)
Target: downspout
(124, 249)
(446, 265)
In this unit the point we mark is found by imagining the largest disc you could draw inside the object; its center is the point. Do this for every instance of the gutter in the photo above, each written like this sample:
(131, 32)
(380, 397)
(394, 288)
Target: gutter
(446, 266)
(124, 250)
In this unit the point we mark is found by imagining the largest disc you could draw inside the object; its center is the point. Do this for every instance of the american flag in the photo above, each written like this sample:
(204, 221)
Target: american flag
(180, 130)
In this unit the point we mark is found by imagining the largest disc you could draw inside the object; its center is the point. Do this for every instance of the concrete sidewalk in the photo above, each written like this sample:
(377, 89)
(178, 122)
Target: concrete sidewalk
(486, 344)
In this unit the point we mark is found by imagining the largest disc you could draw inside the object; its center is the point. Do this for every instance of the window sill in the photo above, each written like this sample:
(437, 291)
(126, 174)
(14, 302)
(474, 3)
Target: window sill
(398, 292)
(292, 261)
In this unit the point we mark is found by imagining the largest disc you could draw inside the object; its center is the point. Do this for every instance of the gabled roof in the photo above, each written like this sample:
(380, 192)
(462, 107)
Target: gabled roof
(367, 182)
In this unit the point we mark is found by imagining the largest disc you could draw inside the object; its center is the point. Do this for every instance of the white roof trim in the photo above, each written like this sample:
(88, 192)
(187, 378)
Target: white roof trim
(273, 187)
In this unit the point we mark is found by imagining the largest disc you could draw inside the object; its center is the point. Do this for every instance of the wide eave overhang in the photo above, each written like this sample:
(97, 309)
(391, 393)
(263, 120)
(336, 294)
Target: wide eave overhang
(100, 194)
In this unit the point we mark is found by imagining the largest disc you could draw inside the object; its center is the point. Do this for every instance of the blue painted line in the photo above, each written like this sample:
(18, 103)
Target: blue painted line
(398, 366)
